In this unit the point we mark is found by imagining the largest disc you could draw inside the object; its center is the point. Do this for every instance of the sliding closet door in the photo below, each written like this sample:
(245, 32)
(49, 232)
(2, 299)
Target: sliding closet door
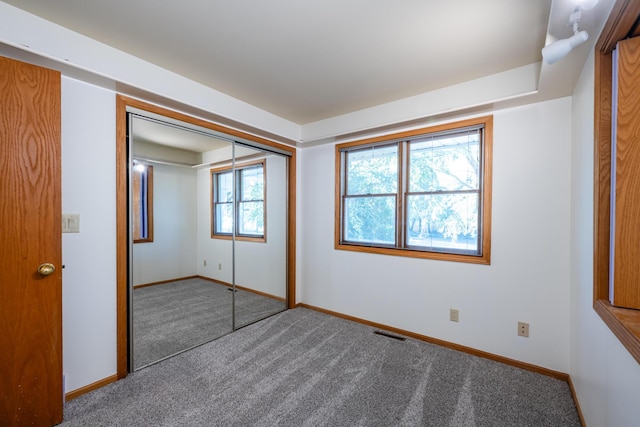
(260, 244)
(208, 214)
(180, 277)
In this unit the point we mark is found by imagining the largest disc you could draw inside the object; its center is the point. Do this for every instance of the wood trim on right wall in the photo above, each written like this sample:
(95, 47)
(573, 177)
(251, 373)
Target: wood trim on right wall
(624, 323)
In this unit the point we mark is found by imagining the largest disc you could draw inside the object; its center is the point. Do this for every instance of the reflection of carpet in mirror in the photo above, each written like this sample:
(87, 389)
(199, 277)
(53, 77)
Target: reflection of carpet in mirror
(171, 317)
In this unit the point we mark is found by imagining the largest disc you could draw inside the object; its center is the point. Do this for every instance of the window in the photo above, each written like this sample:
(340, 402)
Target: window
(248, 208)
(142, 203)
(423, 193)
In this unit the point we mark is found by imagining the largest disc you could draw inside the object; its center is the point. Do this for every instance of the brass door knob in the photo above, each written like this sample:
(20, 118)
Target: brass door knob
(46, 269)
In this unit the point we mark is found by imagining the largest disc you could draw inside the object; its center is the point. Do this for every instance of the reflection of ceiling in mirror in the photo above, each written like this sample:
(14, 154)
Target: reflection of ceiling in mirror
(155, 153)
(162, 139)
(184, 139)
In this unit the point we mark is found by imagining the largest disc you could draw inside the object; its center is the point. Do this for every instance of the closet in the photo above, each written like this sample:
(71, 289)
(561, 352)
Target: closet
(208, 226)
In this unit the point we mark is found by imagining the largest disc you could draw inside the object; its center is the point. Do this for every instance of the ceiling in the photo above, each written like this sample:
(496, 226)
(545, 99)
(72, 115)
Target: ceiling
(313, 60)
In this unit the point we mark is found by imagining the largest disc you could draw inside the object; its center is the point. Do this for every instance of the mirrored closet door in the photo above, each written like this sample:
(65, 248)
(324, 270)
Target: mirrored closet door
(208, 236)
(260, 243)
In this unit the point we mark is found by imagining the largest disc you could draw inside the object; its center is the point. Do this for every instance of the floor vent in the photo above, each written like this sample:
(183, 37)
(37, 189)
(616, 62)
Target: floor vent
(388, 335)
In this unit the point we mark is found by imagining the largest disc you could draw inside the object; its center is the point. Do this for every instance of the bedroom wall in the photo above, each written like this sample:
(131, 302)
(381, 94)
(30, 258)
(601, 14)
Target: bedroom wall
(606, 377)
(528, 279)
(89, 277)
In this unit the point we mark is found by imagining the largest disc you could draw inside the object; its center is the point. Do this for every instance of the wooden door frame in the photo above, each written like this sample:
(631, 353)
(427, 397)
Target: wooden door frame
(122, 241)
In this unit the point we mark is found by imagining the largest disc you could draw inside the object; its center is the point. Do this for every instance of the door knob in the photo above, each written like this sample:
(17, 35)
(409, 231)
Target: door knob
(46, 269)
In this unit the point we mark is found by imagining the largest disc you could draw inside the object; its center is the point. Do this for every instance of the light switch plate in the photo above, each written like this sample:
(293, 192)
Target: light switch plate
(70, 223)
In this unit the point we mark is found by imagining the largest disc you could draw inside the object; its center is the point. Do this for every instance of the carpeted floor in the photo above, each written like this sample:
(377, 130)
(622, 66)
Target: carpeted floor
(304, 368)
(175, 316)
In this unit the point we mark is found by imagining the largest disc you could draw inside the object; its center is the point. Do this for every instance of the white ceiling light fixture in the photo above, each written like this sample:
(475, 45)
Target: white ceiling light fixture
(557, 50)
(139, 167)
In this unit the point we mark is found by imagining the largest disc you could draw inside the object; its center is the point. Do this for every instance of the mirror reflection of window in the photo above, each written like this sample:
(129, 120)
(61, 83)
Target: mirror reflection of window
(250, 201)
(142, 193)
(224, 203)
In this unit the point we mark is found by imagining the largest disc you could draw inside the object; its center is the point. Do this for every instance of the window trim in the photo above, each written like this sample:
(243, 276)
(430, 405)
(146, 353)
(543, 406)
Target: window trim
(238, 168)
(486, 185)
(623, 322)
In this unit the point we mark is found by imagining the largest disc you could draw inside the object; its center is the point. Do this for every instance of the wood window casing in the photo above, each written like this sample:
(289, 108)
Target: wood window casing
(485, 202)
(624, 323)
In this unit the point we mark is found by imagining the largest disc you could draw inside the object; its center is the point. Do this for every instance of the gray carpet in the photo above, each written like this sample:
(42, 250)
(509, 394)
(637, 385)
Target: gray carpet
(175, 316)
(304, 368)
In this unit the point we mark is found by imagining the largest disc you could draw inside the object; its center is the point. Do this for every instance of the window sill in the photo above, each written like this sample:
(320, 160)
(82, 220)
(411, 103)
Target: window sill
(240, 238)
(470, 259)
(624, 323)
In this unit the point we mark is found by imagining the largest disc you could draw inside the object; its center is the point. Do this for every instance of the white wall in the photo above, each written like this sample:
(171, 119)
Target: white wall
(528, 278)
(173, 252)
(89, 277)
(604, 374)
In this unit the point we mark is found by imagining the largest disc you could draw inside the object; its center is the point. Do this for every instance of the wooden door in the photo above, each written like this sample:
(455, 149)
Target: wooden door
(30, 235)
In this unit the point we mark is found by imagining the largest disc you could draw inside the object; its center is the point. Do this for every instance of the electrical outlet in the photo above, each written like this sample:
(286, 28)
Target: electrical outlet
(220, 266)
(453, 314)
(205, 263)
(523, 329)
